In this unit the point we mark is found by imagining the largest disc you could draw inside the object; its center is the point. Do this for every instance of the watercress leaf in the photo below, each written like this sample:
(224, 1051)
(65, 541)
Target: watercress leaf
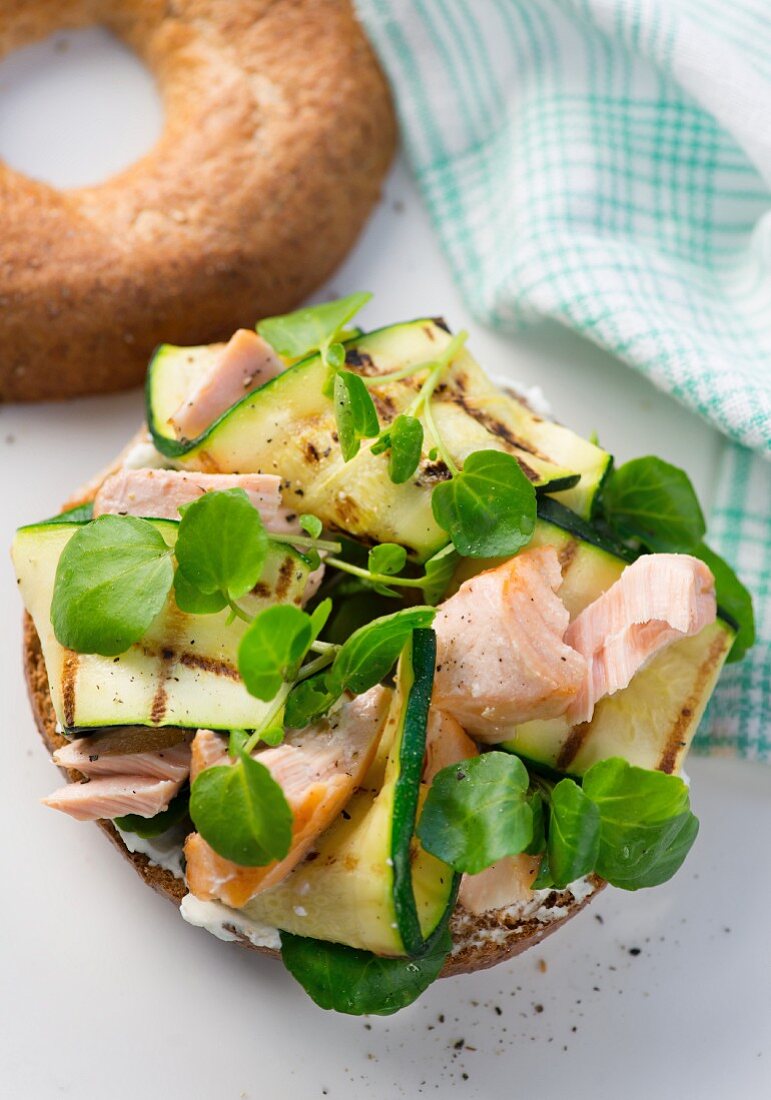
(477, 812)
(438, 573)
(113, 578)
(241, 811)
(381, 444)
(488, 509)
(357, 982)
(334, 356)
(311, 328)
(646, 826)
(355, 412)
(537, 804)
(147, 827)
(574, 833)
(543, 879)
(371, 651)
(272, 736)
(194, 602)
(406, 436)
(388, 558)
(312, 525)
(319, 617)
(307, 701)
(654, 501)
(272, 649)
(222, 543)
(733, 598)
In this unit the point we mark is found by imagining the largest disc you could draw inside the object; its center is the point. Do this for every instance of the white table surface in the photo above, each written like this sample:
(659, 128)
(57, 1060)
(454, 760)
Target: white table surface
(106, 993)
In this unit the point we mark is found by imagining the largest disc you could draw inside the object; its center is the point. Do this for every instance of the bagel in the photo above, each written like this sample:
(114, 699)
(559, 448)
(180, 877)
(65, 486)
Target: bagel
(479, 942)
(279, 129)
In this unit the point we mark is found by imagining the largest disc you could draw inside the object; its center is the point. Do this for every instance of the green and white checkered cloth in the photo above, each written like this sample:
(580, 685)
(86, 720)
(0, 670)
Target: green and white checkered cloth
(606, 163)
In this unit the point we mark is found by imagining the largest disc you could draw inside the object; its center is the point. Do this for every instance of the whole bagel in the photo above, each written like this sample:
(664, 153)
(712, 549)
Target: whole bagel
(278, 131)
(478, 941)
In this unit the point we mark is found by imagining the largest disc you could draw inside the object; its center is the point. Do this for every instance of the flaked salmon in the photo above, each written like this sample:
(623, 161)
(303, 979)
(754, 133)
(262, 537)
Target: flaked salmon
(318, 769)
(502, 884)
(168, 763)
(245, 363)
(446, 743)
(114, 796)
(501, 654)
(657, 600)
(159, 494)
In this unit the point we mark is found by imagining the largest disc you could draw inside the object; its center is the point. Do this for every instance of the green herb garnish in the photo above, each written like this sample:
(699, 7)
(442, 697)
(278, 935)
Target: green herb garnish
(355, 413)
(113, 578)
(488, 508)
(242, 812)
(357, 982)
(477, 812)
(313, 328)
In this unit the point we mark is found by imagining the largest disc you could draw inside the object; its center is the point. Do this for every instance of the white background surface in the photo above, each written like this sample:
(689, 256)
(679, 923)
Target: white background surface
(105, 993)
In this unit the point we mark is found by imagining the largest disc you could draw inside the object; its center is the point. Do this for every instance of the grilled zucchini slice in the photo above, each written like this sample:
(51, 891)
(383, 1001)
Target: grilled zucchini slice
(288, 427)
(369, 884)
(184, 672)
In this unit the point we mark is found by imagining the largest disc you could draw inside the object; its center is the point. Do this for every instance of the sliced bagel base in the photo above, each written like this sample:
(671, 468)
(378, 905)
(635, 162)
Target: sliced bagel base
(478, 941)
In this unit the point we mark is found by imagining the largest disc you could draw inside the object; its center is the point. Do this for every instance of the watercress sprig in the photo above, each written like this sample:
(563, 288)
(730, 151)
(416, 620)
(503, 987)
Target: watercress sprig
(631, 826)
(653, 506)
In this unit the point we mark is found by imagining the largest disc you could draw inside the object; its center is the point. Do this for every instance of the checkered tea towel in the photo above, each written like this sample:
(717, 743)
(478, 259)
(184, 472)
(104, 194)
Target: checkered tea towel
(607, 163)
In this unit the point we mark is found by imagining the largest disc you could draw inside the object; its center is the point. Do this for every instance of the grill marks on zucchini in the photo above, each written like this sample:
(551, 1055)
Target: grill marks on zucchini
(288, 427)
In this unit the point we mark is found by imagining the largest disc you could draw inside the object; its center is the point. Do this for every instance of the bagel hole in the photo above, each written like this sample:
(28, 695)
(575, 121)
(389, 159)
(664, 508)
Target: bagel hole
(76, 107)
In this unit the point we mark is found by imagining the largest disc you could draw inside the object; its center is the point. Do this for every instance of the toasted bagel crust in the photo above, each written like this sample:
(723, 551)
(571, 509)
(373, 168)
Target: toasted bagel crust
(279, 128)
(479, 942)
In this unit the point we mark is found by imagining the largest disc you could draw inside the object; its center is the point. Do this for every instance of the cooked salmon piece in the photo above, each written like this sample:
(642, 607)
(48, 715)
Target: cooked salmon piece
(245, 363)
(502, 884)
(446, 743)
(657, 600)
(318, 768)
(501, 654)
(208, 750)
(159, 494)
(114, 796)
(169, 763)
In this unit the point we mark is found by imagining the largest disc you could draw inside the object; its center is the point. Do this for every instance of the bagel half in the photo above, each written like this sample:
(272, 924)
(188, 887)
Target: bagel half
(279, 129)
(479, 941)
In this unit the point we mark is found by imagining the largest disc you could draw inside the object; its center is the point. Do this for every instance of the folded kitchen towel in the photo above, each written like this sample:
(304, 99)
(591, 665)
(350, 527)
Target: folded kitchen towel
(607, 163)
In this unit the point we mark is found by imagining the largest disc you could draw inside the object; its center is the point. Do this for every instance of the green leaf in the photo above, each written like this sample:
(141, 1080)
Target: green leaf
(272, 648)
(654, 501)
(334, 356)
(296, 334)
(646, 825)
(388, 558)
(307, 701)
(147, 827)
(371, 651)
(312, 525)
(733, 598)
(574, 834)
(439, 571)
(357, 982)
(355, 412)
(194, 602)
(488, 509)
(477, 812)
(113, 578)
(537, 804)
(406, 440)
(319, 618)
(221, 545)
(241, 811)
